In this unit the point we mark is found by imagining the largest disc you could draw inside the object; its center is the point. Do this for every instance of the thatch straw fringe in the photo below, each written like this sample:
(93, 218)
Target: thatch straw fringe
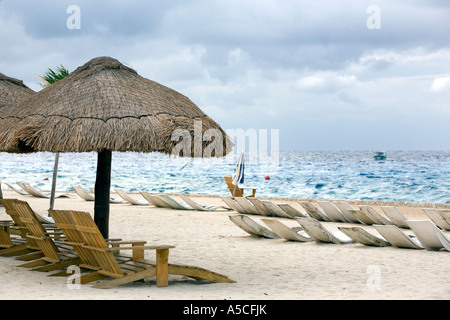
(106, 105)
(12, 92)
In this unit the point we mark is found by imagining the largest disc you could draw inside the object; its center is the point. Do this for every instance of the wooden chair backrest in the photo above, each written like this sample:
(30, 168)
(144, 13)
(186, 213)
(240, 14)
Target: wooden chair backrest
(64, 221)
(235, 190)
(11, 211)
(95, 242)
(37, 231)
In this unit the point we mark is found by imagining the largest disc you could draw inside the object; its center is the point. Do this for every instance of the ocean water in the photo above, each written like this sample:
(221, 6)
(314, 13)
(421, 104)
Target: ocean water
(413, 176)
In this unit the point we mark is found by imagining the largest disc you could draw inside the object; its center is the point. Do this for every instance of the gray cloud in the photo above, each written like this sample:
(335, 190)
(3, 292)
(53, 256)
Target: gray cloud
(293, 65)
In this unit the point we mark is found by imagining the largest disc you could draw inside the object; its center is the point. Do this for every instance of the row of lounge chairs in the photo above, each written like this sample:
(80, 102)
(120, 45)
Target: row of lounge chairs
(158, 200)
(27, 189)
(426, 234)
(338, 211)
(74, 240)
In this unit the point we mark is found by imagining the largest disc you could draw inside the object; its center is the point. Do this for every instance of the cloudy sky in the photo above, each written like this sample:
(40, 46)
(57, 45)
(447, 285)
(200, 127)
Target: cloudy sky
(329, 75)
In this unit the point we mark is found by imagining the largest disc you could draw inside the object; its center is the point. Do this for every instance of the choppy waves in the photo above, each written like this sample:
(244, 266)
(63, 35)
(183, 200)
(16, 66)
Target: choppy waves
(416, 176)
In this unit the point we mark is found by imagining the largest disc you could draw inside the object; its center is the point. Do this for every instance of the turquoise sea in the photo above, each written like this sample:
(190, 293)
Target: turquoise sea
(413, 176)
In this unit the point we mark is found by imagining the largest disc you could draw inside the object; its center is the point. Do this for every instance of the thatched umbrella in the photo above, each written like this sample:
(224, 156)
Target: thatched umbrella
(12, 93)
(105, 106)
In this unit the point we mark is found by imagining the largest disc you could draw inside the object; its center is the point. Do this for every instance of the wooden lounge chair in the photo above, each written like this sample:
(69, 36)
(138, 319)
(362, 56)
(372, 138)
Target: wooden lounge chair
(65, 222)
(362, 236)
(425, 231)
(200, 207)
(55, 257)
(137, 268)
(396, 216)
(25, 248)
(237, 191)
(36, 193)
(5, 236)
(332, 211)
(130, 199)
(287, 233)
(252, 227)
(314, 211)
(320, 234)
(437, 218)
(345, 207)
(397, 237)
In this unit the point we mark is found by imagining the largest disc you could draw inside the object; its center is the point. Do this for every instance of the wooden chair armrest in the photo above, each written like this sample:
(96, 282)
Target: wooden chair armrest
(138, 251)
(141, 247)
(133, 242)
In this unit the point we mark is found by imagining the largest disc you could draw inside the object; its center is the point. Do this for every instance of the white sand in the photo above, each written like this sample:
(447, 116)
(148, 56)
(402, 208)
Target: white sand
(262, 268)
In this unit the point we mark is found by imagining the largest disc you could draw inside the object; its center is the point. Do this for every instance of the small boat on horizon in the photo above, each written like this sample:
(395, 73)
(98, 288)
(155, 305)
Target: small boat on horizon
(379, 155)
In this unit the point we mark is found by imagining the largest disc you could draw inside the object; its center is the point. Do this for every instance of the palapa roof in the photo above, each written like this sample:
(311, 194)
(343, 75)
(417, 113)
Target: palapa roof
(105, 105)
(12, 92)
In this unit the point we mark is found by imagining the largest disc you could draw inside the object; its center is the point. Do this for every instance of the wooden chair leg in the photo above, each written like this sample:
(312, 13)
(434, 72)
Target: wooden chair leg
(162, 267)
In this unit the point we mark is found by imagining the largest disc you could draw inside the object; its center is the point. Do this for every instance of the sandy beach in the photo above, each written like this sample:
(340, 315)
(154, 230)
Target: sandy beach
(264, 269)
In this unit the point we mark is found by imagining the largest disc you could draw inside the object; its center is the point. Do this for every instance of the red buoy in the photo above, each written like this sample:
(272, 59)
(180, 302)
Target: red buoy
(267, 178)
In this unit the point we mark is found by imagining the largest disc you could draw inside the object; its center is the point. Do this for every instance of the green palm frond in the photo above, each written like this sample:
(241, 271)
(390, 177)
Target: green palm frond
(52, 76)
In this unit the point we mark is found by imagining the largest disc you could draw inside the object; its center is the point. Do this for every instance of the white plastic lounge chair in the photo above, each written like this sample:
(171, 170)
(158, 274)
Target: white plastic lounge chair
(320, 234)
(396, 216)
(111, 200)
(362, 217)
(154, 200)
(37, 193)
(445, 213)
(290, 210)
(200, 207)
(23, 193)
(262, 209)
(247, 205)
(332, 211)
(89, 197)
(397, 237)
(344, 207)
(444, 240)
(314, 211)
(437, 218)
(285, 232)
(83, 194)
(275, 209)
(425, 231)
(130, 199)
(234, 205)
(364, 237)
(251, 227)
(43, 219)
(173, 203)
(374, 215)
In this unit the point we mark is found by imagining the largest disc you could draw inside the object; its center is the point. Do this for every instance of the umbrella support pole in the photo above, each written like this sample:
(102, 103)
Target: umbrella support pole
(102, 190)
